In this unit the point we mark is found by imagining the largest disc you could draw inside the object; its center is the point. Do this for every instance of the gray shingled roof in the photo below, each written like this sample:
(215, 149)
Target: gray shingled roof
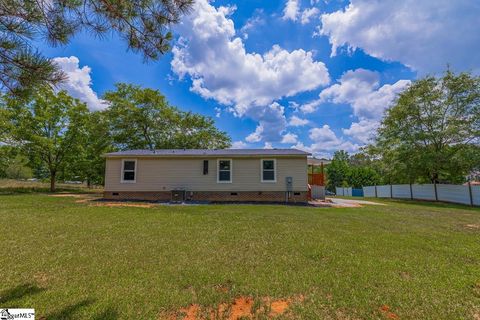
(209, 152)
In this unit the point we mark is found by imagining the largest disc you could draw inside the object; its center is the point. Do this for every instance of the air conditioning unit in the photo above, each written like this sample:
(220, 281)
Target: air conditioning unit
(178, 196)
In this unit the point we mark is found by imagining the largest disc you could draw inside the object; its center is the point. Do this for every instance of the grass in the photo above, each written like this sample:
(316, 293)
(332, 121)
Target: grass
(72, 260)
(10, 186)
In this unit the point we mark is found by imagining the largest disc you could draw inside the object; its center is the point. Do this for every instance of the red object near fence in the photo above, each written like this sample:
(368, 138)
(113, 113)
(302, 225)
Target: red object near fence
(316, 179)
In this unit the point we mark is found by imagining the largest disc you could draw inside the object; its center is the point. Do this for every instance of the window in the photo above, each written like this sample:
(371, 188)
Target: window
(205, 167)
(269, 173)
(129, 168)
(224, 171)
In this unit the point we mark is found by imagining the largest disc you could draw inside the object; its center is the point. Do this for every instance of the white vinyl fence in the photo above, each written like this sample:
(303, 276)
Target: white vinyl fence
(339, 191)
(469, 194)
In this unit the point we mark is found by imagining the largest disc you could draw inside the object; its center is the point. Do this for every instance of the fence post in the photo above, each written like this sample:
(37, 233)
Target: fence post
(391, 191)
(411, 192)
(470, 192)
(376, 196)
(435, 187)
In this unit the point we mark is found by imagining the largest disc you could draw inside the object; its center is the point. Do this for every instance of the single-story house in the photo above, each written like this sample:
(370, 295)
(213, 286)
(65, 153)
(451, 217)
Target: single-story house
(250, 175)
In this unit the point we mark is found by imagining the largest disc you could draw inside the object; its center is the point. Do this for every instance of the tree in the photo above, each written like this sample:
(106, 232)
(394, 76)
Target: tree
(16, 168)
(338, 170)
(360, 176)
(432, 133)
(143, 24)
(48, 127)
(88, 163)
(143, 119)
(6, 153)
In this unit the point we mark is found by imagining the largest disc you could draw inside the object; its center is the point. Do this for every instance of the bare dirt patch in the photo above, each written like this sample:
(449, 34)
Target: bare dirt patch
(42, 279)
(343, 203)
(473, 226)
(476, 288)
(476, 314)
(93, 201)
(387, 313)
(123, 204)
(240, 308)
(71, 195)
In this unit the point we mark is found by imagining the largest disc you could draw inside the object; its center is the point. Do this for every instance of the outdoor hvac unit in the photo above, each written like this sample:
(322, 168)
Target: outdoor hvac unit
(178, 195)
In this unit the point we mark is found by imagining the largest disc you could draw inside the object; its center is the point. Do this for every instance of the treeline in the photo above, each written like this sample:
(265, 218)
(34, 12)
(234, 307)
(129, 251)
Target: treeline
(430, 135)
(49, 134)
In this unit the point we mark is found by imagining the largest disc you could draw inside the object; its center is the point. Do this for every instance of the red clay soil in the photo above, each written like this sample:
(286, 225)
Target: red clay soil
(240, 308)
(476, 314)
(279, 307)
(385, 310)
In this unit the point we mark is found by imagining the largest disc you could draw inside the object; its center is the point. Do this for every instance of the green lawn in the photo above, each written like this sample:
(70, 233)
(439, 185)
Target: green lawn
(71, 260)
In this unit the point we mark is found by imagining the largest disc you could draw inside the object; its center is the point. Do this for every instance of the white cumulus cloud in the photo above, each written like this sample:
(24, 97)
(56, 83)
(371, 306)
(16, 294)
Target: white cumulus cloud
(291, 10)
(361, 89)
(309, 14)
(239, 145)
(290, 138)
(220, 68)
(362, 131)
(297, 121)
(252, 23)
(271, 123)
(325, 142)
(424, 35)
(79, 82)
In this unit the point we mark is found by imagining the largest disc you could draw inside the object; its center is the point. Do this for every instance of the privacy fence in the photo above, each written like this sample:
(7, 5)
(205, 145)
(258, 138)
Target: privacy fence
(464, 194)
(339, 191)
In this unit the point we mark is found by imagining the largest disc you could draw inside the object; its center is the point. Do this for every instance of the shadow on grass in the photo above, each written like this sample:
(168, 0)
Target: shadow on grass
(19, 292)
(68, 311)
(14, 191)
(426, 203)
(108, 314)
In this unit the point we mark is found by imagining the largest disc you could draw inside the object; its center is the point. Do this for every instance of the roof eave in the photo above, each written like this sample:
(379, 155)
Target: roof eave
(202, 156)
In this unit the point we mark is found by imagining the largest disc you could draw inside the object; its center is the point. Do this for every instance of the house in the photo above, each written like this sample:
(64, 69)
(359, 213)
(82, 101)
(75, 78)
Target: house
(250, 175)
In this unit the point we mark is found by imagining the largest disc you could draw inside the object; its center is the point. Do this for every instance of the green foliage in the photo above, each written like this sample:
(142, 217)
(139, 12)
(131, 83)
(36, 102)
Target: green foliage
(62, 140)
(355, 171)
(362, 176)
(433, 131)
(143, 119)
(143, 24)
(88, 163)
(17, 168)
(338, 170)
(48, 127)
(6, 154)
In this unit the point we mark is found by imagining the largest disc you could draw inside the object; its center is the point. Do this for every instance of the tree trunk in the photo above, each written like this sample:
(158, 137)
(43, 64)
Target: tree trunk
(53, 175)
(435, 178)
(89, 183)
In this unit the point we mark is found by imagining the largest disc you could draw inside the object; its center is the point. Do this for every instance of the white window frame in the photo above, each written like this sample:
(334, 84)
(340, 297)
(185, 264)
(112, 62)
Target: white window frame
(123, 171)
(218, 171)
(274, 171)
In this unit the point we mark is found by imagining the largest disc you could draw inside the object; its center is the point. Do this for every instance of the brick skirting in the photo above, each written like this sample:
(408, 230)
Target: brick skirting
(211, 196)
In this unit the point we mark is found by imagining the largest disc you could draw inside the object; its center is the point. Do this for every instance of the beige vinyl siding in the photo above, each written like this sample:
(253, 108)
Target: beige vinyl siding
(165, 174)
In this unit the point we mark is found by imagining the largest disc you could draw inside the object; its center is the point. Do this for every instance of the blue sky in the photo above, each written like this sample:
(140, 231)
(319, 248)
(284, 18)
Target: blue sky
(311, 74)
